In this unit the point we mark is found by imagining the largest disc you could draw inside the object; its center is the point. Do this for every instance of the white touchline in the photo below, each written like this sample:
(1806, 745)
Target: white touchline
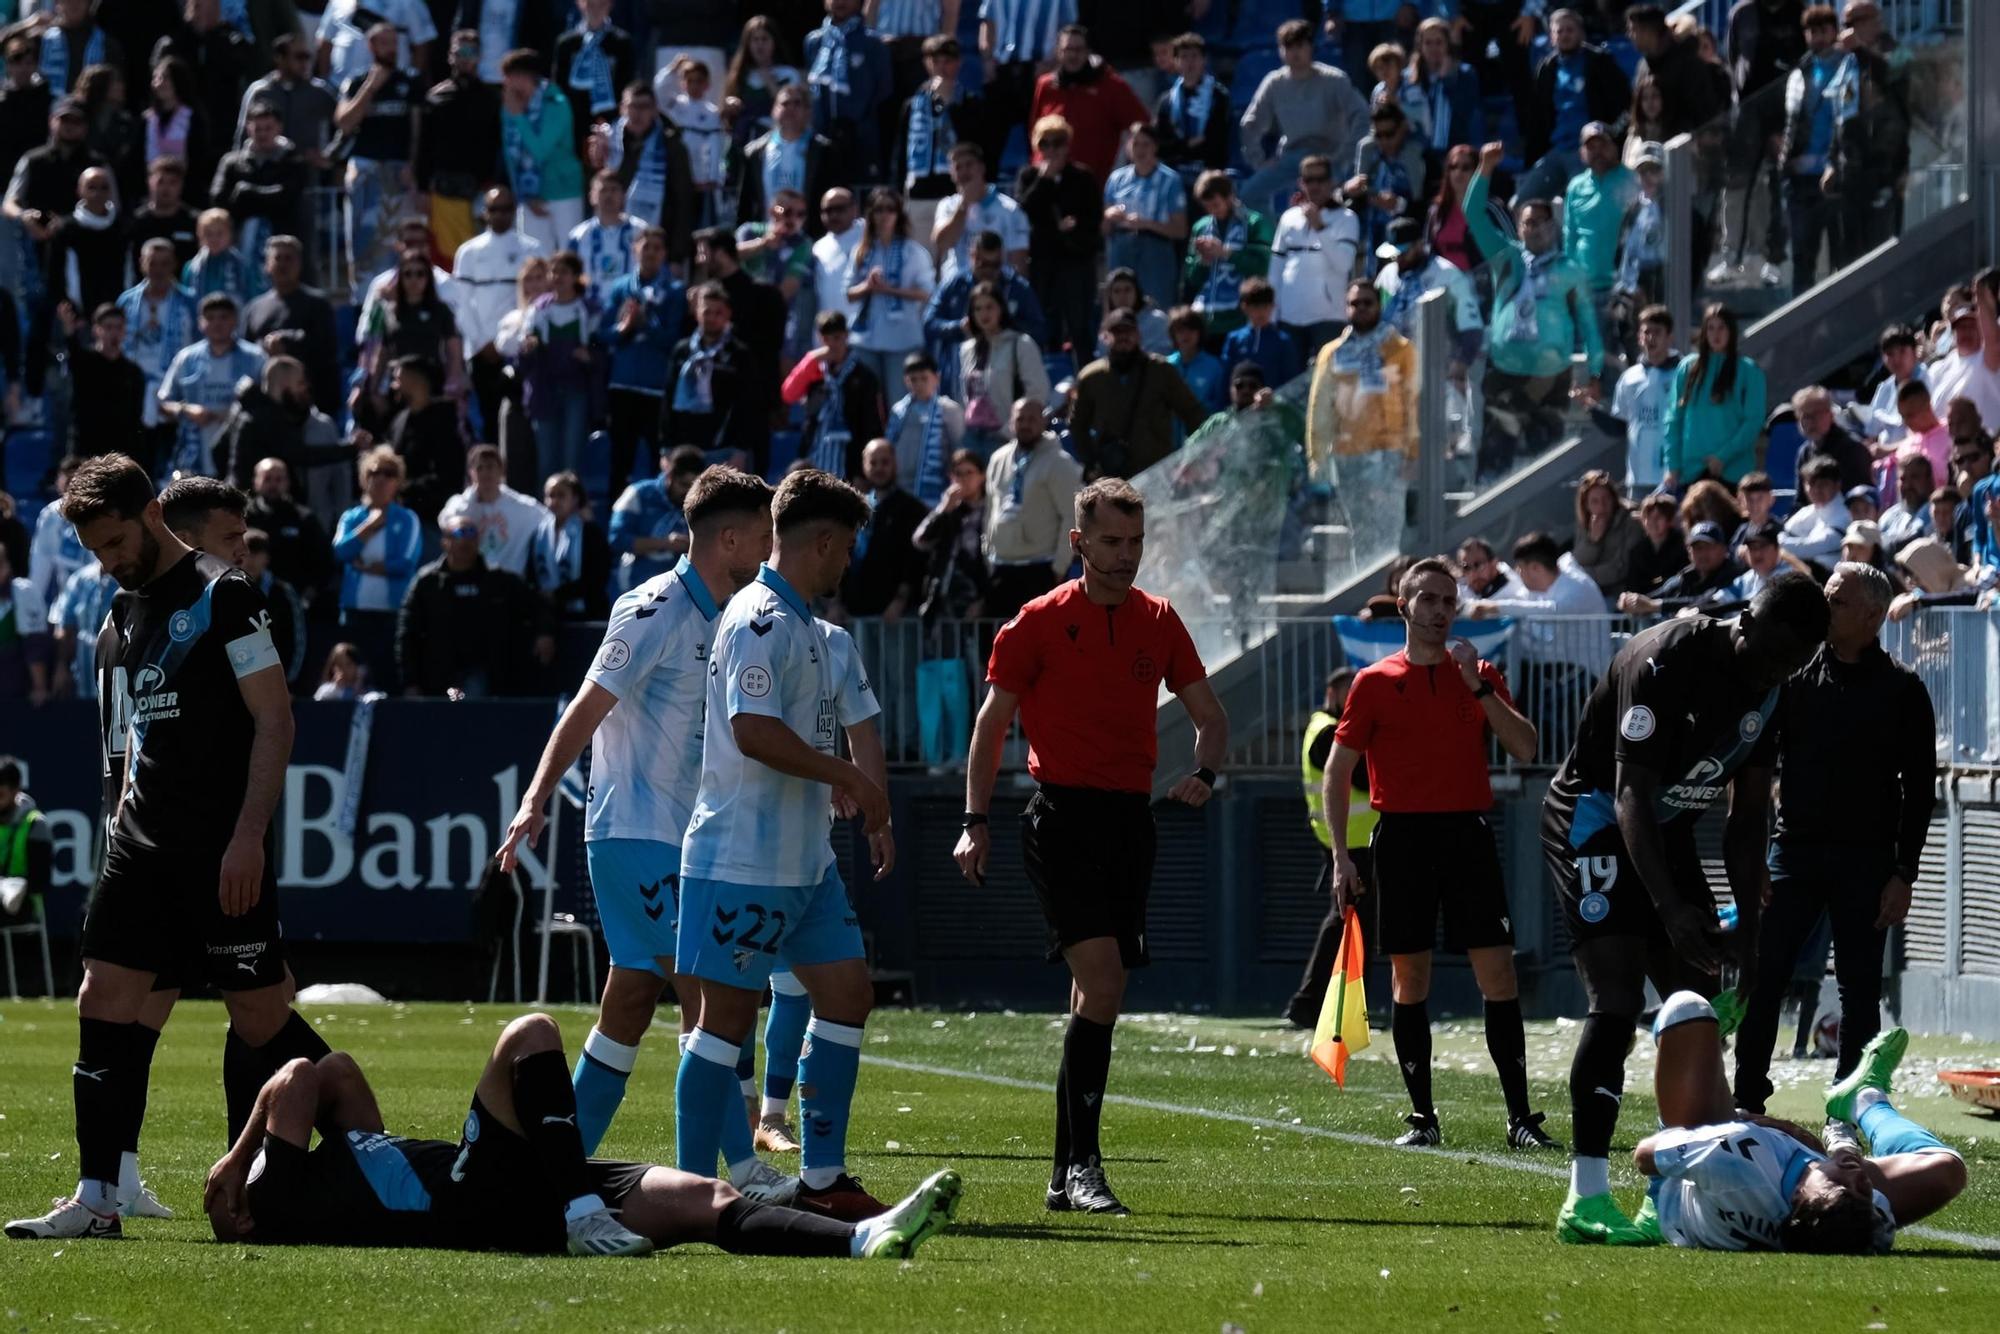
(1969, 1240)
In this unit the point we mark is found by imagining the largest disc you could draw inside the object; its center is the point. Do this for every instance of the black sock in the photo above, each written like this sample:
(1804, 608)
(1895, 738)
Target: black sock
(101, 1092)
(246, 1069)
(141, 1042)
(1507, 1043)
(1087, 1058)
(1410, 1025)
(1059, 1173)
(1597, 1082)
(749, 1228)
(545, 1104)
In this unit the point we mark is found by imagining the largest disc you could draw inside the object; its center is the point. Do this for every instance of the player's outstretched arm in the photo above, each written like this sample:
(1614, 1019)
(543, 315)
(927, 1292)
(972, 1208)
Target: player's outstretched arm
(572, 733)
(1691, 929)
(982, 766)
(1211, 740)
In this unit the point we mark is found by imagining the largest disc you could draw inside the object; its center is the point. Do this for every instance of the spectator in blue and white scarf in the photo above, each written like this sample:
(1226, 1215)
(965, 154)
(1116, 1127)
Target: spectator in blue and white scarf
(593, 62)
(849, 71)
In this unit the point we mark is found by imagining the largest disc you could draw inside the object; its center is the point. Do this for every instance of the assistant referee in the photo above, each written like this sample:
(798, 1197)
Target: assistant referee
(1084, 664)
(1422, 716)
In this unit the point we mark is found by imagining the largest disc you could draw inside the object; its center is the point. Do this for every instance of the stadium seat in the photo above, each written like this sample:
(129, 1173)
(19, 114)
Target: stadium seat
(32, 926)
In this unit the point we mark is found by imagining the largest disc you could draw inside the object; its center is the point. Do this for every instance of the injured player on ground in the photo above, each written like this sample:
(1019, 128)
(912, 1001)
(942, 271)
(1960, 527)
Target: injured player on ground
(516, 1179)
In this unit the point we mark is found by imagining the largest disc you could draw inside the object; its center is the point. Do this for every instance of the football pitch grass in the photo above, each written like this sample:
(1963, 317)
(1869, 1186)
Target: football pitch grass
(1263, 1198)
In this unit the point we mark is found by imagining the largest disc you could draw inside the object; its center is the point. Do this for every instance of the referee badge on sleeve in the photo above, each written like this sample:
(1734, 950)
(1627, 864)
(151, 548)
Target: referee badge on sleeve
(1637, 724)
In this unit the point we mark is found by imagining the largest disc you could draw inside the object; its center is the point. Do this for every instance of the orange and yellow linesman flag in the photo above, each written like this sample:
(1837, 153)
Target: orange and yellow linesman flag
(1343, 1018)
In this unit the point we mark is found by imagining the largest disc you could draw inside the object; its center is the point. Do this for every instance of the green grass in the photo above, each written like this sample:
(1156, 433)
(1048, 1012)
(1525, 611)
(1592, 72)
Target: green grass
(1254, 1222)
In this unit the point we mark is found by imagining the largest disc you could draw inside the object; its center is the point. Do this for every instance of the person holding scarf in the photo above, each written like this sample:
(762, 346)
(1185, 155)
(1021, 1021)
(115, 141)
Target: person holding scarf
(926, 428)
(570, 562)
(934, 119)
(1388, 173)
(1230, 243)
(647, 152)
(1542, 312)
(1145, 214)
(377, 119)
(639, 322)
(1196, 124)
(889, 278)
(1361, 422)
(70, 41)
(537, 145)
(790, 157)
(849, 71)
(843, 400)
(593, 61)
(705, 380)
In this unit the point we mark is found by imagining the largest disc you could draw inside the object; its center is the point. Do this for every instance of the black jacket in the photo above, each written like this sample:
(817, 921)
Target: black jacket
(178, 227)
(107, 401)
(535, 25)
(824, 170)
(224, 60)
(1857, 756)
(726, 426)
(1606, 93)
(433, 453)
(1856, 468)
(1218, 135)
(679, 211)
(303, 321)
(583, 598)
(456, 628)
(888, 567)
(273, 188)
(624, 62)
(458, 139)
(1690, 587)
(1693, 92)
(861, 405)
(1651, 566)
(261, 427)
(100, 262)
(51, 172)
(301, 551)
(24, 120)
(1047, 200)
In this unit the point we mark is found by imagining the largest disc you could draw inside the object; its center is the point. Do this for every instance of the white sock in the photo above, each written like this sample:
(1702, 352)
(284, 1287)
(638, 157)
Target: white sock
(581, 1205)
(819, 1178)
(607, 1052)
(128, 1177)
(1865, 1098)
(100, 1196)
(1590, 1176)
(776, 1106)
(749, 1087)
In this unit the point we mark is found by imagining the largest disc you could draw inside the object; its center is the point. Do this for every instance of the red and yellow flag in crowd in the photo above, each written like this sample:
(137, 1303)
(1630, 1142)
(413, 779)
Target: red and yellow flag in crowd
(1343, 1018)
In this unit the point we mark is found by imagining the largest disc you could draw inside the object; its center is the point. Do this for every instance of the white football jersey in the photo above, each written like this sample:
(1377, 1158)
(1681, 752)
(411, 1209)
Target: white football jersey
(857, 702)
(1728, 1187)
(646, 758)
(751, 824)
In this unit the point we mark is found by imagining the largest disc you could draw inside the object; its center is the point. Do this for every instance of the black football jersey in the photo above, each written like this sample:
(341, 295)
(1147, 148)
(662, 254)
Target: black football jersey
(176, 732)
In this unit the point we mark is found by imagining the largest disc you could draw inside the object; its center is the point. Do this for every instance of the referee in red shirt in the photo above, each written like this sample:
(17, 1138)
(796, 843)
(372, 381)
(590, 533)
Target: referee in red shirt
(1422, 717)
(1084, 664)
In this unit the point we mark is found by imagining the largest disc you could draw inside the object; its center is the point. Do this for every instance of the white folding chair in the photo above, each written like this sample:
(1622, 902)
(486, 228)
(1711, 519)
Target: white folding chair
(37, 927)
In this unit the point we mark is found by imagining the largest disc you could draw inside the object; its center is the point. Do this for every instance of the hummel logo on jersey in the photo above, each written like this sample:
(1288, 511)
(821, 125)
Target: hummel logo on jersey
(569, 1120)
(96, 1075)
(1615, 1097)
(760, 628)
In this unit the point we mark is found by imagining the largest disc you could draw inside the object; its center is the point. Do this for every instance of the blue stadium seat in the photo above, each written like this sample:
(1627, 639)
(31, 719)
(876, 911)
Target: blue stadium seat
(1781, 456)
(784, 448)
(27, 461)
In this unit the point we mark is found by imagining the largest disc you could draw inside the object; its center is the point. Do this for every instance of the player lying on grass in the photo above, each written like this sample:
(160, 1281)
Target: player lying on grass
(1729, 1181)
(516, 1180)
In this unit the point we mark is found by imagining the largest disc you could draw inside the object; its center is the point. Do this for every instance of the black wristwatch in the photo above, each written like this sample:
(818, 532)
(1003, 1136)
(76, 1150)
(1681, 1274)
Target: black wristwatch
(974, 819)
(1207, 776)
(1485, 689)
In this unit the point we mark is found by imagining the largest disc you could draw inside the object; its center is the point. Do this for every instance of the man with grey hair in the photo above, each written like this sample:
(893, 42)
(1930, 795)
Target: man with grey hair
(1857, 768)
(1812, 409)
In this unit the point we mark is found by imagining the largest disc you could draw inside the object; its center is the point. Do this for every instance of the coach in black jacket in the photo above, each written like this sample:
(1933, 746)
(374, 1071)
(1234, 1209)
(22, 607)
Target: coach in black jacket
(468, 627)
(825, 169)
(1857, 783)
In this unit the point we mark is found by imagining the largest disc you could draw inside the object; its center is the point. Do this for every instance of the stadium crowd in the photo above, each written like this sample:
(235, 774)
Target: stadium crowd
(459, 297)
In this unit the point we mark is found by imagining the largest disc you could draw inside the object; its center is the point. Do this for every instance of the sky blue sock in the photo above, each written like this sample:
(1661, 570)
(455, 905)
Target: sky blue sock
(705, 1086)
(826, 1074)
(784, 1034)
(599, 1080)
(1889, 1131)
(737, 1144)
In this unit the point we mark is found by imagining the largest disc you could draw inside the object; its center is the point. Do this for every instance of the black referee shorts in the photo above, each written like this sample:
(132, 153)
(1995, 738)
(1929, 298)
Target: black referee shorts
(159, 910)
(1089, 855)
(1429, 864)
